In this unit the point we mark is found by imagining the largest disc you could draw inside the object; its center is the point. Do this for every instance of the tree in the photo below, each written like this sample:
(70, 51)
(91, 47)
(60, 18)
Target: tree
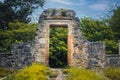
(17, 32)
(98, 30)
(95, 30)
(20, 10)
(114, 22)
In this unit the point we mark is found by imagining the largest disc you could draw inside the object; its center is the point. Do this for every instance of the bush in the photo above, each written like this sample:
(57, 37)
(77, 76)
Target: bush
(113, 73)
(84, 74)
(33, 72)
(17, 32)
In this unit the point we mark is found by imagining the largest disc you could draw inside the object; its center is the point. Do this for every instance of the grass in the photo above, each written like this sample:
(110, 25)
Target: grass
(33, 72)
(5, 72)
(84, 74)
(113, 73)
(40, 72)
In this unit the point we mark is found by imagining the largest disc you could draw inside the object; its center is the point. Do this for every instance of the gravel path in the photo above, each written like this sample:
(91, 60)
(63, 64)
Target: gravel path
(60, 75)
(2, 78)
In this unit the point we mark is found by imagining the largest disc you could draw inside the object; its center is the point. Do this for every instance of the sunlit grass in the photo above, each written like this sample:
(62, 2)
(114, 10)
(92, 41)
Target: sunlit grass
(84, 74)
(33, 72)
(113, 73)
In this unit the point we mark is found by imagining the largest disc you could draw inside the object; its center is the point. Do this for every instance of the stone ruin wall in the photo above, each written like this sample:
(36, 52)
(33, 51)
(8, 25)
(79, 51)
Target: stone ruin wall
(81, 53)
(19, 56)
(96, 56)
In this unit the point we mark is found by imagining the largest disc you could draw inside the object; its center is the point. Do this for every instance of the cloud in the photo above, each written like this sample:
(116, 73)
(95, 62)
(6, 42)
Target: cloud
(98, 6)
(64, 2)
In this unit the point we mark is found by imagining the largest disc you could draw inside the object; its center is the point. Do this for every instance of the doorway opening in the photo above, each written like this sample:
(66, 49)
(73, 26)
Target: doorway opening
(58, 46)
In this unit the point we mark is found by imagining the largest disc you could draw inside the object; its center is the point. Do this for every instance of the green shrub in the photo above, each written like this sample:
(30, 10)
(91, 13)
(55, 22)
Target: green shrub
(113, 73)
(33, 72)
(84, 74)
(17, 32)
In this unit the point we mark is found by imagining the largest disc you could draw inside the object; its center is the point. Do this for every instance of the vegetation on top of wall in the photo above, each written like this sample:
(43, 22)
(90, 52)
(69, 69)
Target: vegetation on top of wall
(17, 32)
(98, 30)
(106, 30)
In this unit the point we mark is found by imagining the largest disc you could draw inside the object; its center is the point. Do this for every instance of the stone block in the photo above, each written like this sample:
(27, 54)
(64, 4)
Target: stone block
(26, 50)
(42, 40)
(42, 45)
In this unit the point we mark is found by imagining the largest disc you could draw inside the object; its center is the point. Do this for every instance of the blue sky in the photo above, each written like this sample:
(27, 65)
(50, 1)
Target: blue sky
(89, 8)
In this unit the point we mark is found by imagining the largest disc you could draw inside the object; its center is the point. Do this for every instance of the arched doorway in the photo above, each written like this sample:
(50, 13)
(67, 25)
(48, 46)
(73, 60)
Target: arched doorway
(58, 46)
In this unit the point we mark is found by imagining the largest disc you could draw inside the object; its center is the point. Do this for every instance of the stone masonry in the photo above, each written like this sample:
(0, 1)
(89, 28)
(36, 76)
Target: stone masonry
(77, 44)
(119, 47)
(19, 56)
(81, 53)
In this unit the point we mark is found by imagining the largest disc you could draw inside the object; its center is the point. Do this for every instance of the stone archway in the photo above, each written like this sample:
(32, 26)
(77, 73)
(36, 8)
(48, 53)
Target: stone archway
(75, 39)
(69, 38)
(81, 53)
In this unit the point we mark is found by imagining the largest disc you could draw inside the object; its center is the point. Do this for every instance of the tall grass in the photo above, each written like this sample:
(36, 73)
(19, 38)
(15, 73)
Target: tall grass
(33, 72)
(113, 73)
(84, 74)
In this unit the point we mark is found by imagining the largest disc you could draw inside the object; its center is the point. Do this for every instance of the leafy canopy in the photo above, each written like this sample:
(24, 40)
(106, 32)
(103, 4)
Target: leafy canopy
(17, 32)
(114, 22)
(20, 10)
(98, 30)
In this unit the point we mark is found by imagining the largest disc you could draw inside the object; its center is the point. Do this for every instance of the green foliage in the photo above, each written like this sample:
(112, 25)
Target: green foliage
(22, 32)
(58, 47)
(18, 32)
(113, 73)
(84, 74)
(114, 22)
(111, 46)
(33, 72)
(98, 30)
(4, 72)
(11, 10)
(95, 30)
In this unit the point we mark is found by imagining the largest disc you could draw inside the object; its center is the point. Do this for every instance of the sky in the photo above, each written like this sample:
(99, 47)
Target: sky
(83, 8)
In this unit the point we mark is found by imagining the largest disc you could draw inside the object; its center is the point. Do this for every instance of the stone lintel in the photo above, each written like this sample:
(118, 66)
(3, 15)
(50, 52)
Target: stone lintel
(58, 18)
